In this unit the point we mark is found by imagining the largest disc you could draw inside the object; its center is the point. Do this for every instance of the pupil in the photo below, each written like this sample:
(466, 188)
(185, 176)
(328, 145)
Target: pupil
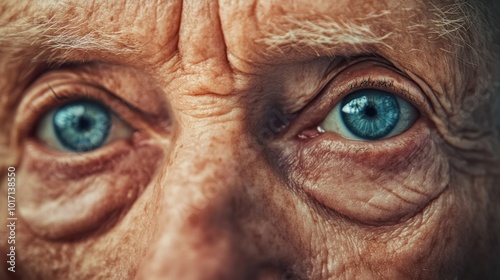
(84, 124)
(370, 111)
(370, 114)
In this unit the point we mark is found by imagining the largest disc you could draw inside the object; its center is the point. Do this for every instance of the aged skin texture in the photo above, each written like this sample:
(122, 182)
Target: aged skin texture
(215, 167)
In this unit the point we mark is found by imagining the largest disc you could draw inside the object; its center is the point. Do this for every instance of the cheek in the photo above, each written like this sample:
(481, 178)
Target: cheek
(427, 246)
(448, 236)
(435, 244)
(67, 198)
(102, 255)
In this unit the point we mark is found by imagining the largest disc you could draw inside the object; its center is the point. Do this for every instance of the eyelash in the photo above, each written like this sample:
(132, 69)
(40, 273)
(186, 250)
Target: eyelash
(367, 82)
(385, 84)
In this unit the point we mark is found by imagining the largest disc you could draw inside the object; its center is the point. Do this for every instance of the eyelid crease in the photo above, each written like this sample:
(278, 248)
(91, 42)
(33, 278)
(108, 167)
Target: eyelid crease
(389, 78)
(126, 83)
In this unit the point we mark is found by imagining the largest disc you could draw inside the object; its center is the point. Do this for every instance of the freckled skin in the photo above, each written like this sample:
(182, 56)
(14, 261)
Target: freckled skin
(208, 189)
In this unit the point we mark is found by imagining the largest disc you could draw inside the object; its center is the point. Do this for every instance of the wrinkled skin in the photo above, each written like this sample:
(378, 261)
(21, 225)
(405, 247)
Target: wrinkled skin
(208, 187)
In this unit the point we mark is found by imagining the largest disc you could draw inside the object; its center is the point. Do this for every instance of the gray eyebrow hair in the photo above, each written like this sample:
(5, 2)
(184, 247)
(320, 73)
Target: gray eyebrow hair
(458, 21)
(323, 31)
(462, 23)
(53, 41)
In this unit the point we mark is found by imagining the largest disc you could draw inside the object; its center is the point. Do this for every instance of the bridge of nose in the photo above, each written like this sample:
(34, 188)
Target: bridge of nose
(216, 187)
(203, 200)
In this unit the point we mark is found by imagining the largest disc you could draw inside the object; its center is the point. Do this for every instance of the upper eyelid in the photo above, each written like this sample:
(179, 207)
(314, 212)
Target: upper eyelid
(47, 97)
(384, 84)
(391, 80)
(388, 79)
(125, 82)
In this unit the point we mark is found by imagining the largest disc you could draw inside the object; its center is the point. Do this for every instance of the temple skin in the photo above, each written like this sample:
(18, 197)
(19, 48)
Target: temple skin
(221, 176)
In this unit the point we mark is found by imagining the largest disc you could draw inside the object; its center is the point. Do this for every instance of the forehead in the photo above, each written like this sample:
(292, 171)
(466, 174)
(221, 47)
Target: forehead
(248, 28)
(218, 39)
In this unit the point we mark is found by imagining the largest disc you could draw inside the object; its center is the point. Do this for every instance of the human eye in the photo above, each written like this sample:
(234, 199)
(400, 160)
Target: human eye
(358, 146)
(81, 126)
(370, 114)
(88, 152)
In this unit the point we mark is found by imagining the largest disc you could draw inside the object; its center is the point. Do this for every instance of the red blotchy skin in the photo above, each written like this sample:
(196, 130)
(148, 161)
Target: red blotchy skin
(220, 172)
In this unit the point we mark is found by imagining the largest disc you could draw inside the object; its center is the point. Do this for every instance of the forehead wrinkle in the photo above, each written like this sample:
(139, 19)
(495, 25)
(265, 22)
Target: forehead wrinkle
(73, 29)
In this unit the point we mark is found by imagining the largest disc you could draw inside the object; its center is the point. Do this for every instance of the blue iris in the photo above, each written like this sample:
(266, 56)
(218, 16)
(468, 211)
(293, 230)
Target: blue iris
(82, 126)
(370, 114)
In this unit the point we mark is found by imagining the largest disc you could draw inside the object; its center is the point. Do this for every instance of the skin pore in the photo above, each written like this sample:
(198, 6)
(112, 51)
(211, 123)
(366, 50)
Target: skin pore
(219, 171)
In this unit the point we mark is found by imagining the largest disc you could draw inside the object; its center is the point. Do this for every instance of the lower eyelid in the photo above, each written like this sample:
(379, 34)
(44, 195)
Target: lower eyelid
(335, 147)
(62, 185)
(328, 167)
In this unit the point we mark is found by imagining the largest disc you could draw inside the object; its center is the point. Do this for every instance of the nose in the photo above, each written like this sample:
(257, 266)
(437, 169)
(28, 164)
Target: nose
(203, 202)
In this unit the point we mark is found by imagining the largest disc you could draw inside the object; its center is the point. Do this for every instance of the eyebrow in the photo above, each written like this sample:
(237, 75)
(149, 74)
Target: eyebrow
(323, 33)
(54, 40)
(51, 41)
(462, 25)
